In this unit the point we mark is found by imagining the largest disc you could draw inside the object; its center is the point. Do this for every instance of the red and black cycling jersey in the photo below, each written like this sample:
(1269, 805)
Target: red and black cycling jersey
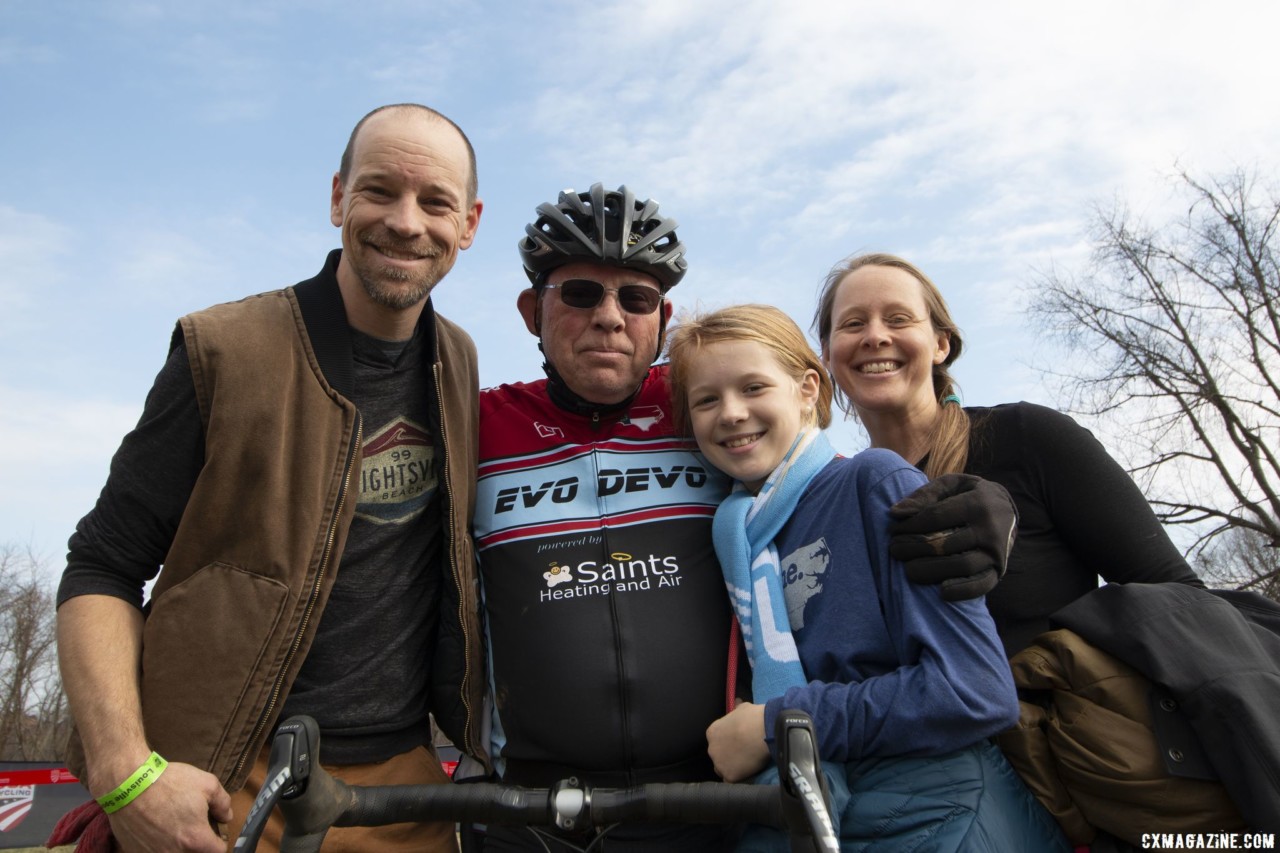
(608, 619)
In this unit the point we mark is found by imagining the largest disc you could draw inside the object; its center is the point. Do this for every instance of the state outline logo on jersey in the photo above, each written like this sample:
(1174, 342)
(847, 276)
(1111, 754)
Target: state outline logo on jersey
(644, 417)
(545, 431)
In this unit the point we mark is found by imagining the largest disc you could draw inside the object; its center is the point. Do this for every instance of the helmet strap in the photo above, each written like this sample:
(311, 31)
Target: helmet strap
(564, 397)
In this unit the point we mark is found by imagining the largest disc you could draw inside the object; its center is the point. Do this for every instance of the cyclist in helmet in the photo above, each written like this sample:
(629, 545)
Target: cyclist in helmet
(607, 618)
(601, 234)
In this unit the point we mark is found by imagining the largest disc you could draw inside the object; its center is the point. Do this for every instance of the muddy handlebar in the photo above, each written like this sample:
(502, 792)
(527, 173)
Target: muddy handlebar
(311, 800)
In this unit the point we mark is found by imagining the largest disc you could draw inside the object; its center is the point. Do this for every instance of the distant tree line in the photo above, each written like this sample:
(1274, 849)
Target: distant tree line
(34, 723)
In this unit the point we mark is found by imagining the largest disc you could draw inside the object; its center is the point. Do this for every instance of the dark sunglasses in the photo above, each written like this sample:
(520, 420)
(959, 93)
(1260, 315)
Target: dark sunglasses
(584, 293)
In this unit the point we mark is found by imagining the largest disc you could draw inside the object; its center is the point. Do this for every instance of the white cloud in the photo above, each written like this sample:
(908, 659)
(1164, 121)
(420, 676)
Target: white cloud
(31, 249)
(847, 99)
(54, 451)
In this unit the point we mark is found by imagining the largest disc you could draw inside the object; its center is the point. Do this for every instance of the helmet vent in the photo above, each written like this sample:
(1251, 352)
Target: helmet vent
(609, 227)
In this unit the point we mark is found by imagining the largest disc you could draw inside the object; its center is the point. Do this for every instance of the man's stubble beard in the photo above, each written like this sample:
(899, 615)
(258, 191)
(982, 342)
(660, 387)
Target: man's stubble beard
(380, 284)
(397, 298)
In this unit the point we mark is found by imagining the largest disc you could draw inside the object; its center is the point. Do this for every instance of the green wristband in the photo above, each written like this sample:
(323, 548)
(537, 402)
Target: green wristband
(133, 786)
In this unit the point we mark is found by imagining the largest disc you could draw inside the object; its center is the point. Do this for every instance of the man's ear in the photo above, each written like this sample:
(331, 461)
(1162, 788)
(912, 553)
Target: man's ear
(469, 225)
(667, 310)
(528, 304)
(335, 201)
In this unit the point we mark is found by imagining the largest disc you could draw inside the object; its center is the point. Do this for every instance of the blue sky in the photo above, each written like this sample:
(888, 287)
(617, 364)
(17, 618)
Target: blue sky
(159, 157)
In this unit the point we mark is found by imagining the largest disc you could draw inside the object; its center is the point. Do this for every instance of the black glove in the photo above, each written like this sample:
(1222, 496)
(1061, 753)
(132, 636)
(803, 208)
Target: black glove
(956, 530)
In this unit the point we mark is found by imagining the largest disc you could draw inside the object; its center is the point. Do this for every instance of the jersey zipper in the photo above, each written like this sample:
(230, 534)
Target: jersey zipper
(624, 707)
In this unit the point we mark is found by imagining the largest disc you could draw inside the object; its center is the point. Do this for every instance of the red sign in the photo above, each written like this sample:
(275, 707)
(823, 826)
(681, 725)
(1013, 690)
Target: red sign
(45, 776)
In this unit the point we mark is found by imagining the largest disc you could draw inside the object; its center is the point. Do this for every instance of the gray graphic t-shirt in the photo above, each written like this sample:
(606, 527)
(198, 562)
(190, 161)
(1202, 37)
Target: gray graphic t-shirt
(365, 678)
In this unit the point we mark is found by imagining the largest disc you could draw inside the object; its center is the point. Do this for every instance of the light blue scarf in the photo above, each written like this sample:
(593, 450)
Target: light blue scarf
(744, 528)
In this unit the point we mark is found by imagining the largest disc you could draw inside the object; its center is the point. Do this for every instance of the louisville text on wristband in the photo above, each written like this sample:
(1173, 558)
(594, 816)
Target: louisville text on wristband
(133, 786)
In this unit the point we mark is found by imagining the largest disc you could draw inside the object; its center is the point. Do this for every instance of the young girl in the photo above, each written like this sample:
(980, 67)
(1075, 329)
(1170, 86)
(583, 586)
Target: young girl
(903, 687)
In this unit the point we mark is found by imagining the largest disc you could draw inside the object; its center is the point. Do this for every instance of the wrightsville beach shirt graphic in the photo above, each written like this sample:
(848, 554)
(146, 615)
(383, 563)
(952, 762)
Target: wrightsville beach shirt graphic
(397, 473)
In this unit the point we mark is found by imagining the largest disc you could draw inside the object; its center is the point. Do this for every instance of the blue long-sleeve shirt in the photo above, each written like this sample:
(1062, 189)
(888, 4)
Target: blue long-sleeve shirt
(893, 669)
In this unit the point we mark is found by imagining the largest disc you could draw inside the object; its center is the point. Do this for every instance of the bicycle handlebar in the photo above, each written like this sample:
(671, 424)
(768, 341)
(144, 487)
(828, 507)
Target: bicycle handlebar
(312, 800)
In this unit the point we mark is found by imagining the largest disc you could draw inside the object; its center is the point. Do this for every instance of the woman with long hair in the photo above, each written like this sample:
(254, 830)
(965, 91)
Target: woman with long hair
(888, 339)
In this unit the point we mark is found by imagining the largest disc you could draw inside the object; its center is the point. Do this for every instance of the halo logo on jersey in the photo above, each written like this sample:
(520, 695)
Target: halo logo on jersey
(557, 574)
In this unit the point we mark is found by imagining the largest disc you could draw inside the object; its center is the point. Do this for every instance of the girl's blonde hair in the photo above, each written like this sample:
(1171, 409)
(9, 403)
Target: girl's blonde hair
(762, 324)
(949, 439)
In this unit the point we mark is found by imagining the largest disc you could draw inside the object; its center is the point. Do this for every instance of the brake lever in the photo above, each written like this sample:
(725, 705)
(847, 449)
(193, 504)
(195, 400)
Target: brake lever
(288, 771)
(301, 736)
(804, 787)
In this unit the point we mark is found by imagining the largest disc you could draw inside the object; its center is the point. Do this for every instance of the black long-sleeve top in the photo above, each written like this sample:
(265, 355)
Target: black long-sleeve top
(1080, 517)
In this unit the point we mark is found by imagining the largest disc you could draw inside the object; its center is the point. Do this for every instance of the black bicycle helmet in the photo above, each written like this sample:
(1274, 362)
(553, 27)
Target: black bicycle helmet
(609, 227)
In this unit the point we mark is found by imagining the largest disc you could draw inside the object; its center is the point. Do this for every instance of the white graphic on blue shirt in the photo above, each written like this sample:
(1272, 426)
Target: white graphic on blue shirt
(803, 574)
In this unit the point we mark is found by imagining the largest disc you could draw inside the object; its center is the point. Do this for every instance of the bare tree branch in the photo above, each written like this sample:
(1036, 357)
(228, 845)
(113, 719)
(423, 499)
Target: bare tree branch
(1174, 334)
(34, 721)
